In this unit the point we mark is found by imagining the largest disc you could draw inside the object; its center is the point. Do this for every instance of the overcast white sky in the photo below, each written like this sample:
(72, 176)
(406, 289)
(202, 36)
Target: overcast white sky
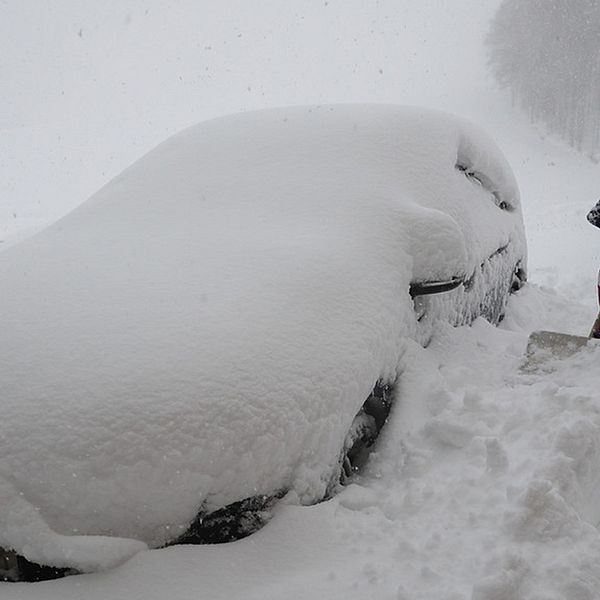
(87, 87)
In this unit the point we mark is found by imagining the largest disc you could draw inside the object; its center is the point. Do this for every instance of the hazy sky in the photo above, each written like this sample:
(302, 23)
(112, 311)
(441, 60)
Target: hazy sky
(90, 86)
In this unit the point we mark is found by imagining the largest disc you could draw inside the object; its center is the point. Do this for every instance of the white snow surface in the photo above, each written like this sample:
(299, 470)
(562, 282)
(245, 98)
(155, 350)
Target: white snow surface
(485, 487)
(205, 327)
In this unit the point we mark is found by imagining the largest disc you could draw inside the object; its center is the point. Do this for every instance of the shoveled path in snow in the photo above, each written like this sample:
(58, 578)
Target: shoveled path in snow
(486, 485)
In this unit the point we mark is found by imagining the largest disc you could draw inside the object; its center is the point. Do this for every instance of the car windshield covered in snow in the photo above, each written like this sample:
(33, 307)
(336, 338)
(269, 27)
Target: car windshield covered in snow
(221, 324)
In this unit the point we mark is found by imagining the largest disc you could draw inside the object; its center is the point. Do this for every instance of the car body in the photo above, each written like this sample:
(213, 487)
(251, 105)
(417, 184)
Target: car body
(206, 330)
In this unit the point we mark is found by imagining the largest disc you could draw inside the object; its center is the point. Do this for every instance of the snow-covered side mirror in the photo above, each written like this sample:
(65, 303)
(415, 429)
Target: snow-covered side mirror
(489, 170)
(478, 178)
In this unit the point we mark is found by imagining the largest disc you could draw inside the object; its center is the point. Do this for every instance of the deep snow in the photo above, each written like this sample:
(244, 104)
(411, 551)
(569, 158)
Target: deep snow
(205, 328)
(485, 486)
(491, 495)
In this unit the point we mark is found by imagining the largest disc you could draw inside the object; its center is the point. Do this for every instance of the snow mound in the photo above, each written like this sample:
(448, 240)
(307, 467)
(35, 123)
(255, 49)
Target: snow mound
(29, 532)
(205, 327)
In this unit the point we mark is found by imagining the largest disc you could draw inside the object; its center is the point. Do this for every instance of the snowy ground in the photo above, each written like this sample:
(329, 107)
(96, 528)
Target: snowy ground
(485, 486)
(487, 482)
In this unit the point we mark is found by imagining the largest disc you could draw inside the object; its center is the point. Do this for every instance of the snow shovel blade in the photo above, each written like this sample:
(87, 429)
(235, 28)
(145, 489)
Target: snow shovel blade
(543, 346)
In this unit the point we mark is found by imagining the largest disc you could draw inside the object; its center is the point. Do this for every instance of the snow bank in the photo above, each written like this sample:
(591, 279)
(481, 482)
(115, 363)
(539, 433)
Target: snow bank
(489, 491)
(206, 326)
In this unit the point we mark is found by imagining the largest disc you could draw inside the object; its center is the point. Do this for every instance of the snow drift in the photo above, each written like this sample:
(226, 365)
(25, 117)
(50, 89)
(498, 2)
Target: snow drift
(205, 328)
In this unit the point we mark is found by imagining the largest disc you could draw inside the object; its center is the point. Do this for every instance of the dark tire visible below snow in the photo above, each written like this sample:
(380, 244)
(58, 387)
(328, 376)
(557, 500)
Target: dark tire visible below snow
(14, 567)
(230, 523)
(365, 430)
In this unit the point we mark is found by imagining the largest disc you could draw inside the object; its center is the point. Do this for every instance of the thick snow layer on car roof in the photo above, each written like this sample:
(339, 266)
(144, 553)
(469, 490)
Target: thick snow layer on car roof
(206, 326)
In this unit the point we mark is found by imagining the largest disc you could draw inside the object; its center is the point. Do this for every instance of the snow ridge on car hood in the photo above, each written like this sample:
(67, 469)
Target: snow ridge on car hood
(206, 326)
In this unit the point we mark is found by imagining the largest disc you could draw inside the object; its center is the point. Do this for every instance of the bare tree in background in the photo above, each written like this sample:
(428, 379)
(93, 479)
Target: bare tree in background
(547, 52)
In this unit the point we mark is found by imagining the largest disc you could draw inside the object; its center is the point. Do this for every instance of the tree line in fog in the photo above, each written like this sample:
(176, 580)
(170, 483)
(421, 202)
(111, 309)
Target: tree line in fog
(547, 52)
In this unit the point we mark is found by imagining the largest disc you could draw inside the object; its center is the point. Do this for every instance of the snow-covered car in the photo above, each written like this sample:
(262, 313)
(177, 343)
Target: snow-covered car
(222, 323)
